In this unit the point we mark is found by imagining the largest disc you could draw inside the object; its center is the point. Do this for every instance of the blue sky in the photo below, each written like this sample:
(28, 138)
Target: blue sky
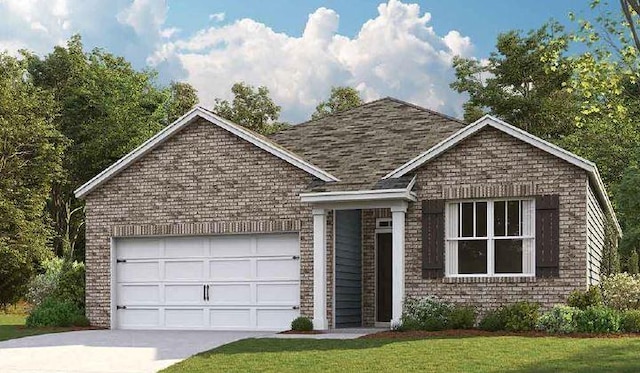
(298, 49)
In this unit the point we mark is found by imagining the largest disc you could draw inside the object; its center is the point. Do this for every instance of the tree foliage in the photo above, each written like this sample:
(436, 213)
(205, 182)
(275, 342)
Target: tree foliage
(183, 97)
(522, 82)
(105, 108)
(340, 99)
(252, 108)
(30, 161)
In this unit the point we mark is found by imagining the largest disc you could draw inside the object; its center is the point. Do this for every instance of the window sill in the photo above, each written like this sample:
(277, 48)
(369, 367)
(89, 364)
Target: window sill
(488, 280)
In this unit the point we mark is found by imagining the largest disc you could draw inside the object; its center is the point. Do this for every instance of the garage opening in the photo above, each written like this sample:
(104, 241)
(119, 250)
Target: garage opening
(225, 282)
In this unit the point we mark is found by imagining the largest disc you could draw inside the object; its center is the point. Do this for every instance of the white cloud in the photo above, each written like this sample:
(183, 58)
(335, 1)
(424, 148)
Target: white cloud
(146, 17)
(217, 17)
(397, 53)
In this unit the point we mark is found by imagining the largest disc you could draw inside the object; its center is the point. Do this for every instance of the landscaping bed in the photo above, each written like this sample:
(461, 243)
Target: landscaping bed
(461, 333)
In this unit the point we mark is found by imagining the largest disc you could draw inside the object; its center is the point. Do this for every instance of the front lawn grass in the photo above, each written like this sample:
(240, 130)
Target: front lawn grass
(12, 326)
(466, 354)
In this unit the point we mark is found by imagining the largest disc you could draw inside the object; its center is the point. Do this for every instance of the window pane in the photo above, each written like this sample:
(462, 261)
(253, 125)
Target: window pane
(472, 256)
(481, 219)
(498, 218)
(467, 219)
(513, 218)
(508, 256)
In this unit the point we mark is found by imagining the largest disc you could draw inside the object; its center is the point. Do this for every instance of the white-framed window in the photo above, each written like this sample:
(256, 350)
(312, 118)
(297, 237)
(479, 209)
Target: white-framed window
(490, 238)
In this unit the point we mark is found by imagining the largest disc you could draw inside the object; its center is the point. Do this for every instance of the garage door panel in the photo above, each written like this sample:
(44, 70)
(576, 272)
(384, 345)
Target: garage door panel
(184, 317)
(184, 294)
(278, 318)
(139, 318)
(180, 247)
(184, 270)
(230, 318)
(277, 269)
(140, 248)
(227, 246)
(138, 271)
(252, 282)
(231, 294)
(278, 294)
(230, 269)
(277, 244)
(138, 294)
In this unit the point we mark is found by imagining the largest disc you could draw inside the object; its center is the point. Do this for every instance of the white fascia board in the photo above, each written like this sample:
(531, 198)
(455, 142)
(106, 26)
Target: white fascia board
(469, 130)
(168, 131)
(359, 195)
(520, 134)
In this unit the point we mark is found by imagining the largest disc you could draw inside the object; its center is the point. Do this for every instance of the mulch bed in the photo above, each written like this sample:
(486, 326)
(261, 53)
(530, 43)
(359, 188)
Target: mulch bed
(420, 334)
(302, 332)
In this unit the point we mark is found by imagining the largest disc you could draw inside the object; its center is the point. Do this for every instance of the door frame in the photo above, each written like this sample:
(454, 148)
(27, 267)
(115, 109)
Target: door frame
(379, 229)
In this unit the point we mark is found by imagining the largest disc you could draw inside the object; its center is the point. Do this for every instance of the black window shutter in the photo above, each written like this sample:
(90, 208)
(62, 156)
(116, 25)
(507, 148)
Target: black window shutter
(547, 235)
(433, 238)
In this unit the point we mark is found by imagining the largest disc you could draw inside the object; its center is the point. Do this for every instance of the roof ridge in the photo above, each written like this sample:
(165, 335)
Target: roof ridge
(422, 108)
(386, 98)
(311, 121)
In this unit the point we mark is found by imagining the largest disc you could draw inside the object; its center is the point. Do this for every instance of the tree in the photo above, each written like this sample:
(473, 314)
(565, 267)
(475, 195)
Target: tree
(632, 263)
(182, 98)
(30, 161)
(341, 98)
(523, 82)
(106, 109)
(251, 108)
(629, 7)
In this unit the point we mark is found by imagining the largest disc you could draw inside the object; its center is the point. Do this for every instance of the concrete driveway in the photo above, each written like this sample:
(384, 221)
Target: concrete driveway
(109, 351)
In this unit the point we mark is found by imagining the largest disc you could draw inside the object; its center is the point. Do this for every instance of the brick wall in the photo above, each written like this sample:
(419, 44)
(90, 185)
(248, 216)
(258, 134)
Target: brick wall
(493, 164)
(203, 180)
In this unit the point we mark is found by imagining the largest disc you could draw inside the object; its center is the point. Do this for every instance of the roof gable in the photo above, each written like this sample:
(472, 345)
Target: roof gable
(362, 144)
(490, 121)
(199, 112)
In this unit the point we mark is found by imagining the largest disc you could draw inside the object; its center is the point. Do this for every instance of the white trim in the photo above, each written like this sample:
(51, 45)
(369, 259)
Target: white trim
(356, 196)
(397, 263)
(181, 122)
(491, 238)
(112, 284)
(520, 134)
(320, 269)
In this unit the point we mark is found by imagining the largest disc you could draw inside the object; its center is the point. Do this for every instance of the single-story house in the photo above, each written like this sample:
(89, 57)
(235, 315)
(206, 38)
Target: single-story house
(208, 225)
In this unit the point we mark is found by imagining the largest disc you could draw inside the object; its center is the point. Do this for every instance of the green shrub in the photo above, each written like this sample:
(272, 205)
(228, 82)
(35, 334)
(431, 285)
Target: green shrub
(598, 319)
(462, 317)
(71, 283)
(302, 324)
(492, 321)
(55, 312)
(621, 291)
(521, 316)
(44, 284)
(560, 319)
(516, 317)
(583, 299)
(630, 321)
(61, 279)
(426, 313)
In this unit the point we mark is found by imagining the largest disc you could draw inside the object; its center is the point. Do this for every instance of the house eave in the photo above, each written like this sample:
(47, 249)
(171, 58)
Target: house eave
(359, 196)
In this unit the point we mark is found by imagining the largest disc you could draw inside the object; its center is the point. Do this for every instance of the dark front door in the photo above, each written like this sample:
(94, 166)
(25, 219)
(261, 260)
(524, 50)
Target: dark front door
(383, 285)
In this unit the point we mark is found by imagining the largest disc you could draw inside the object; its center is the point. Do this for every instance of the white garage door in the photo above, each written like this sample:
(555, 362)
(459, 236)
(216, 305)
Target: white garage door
(231, 282)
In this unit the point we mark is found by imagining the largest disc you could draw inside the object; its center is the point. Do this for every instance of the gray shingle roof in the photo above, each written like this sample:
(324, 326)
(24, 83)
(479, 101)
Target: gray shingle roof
(361, 145)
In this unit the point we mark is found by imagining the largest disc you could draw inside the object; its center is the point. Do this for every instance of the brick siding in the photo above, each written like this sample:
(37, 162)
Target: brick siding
(202, 180)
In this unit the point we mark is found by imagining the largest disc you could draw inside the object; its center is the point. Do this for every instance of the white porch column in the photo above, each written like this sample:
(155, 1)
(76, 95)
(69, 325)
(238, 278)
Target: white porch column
(320, 269)
(398, 213)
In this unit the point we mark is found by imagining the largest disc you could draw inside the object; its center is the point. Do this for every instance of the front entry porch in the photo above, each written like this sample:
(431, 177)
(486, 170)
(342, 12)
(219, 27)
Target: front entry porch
(368, 262)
